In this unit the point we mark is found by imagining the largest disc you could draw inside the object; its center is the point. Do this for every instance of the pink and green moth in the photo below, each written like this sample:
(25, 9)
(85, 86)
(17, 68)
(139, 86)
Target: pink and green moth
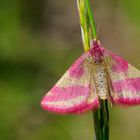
(97, 74)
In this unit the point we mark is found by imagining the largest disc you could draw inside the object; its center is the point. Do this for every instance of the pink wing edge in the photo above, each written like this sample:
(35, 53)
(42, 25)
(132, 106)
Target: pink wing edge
(133, 84)
(76, 109)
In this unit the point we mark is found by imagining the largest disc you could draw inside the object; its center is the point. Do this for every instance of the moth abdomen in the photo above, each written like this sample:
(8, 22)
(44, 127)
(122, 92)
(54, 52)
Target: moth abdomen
(100, 77)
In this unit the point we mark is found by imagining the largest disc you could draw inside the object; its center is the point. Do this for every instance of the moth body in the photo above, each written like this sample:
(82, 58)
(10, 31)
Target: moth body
(100, 73)
(100, 77)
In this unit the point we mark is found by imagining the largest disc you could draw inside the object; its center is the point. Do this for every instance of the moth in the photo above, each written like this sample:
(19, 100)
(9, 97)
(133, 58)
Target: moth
(95, 75)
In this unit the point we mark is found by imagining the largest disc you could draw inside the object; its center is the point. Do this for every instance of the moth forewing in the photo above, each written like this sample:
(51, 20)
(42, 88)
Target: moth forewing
(93, 91)
(107, 62)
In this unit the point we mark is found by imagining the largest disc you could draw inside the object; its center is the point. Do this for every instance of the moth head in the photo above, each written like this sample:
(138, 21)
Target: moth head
(96, 51)
(96, 43)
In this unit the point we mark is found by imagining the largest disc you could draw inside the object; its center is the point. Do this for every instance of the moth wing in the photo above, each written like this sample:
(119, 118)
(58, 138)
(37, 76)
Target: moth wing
(74, 92)
(124, 80)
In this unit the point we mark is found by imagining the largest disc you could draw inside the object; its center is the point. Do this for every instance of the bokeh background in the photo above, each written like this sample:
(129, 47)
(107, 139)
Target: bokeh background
(39, 40)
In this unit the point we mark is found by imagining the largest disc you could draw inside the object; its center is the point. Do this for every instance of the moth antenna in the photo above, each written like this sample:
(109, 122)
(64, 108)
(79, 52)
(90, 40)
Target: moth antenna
(99, 24)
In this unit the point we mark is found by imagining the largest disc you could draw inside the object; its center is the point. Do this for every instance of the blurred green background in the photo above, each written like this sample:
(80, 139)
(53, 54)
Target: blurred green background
(39, 40)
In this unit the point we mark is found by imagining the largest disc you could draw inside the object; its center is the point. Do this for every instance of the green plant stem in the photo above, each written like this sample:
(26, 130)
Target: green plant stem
(84, 23)
(88, 28)
(101, 121)
(90, 13)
